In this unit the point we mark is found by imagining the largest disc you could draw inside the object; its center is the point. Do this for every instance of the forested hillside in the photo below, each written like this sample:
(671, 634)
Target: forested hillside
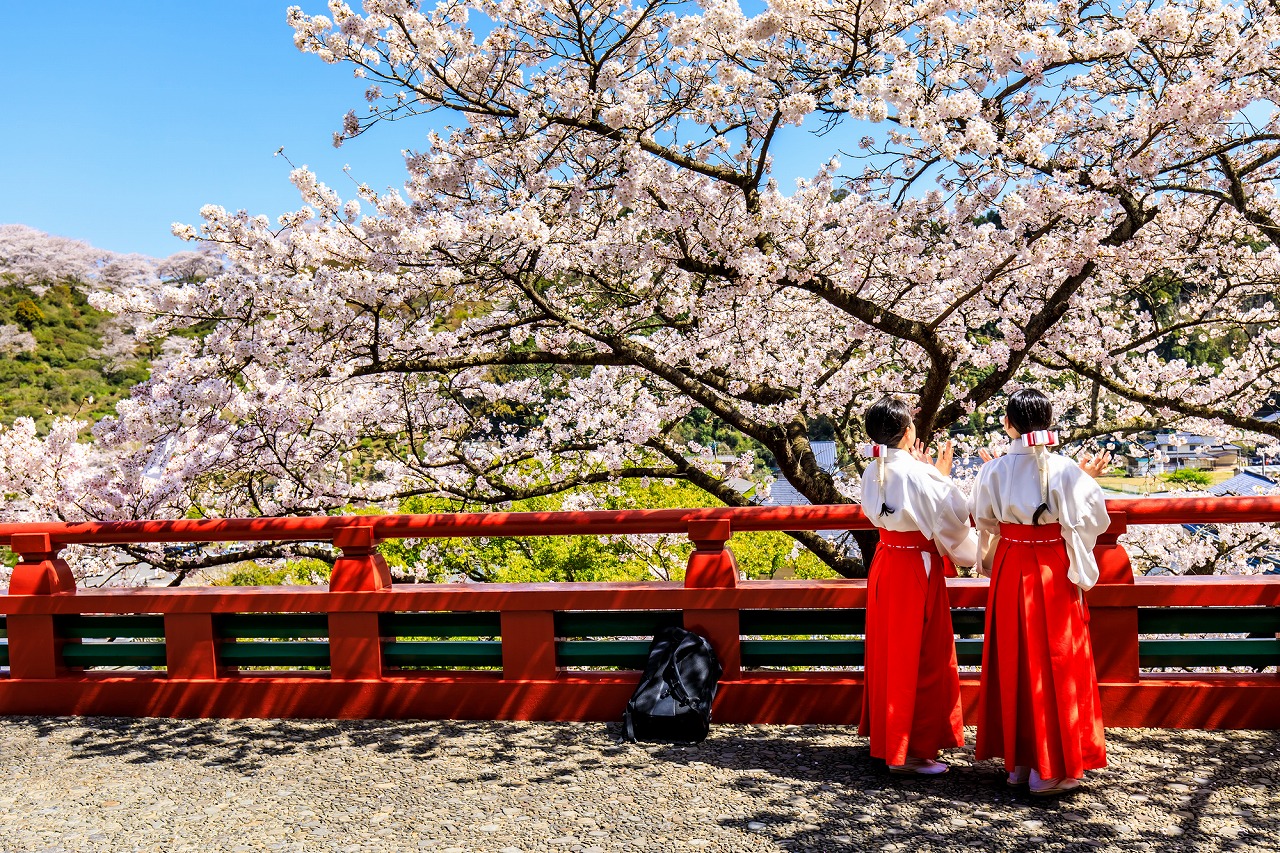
(61, 356)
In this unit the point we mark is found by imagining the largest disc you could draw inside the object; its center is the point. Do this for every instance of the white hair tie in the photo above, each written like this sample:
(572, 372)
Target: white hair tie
(873, 451)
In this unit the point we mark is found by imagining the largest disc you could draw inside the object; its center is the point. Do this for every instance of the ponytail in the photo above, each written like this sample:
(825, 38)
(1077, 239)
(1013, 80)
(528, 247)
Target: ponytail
(1038, 440)
(878, 453)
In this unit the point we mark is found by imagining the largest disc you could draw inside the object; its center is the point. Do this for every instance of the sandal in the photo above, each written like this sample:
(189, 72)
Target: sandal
(1019, 777)
(919, 767)
(1053, 787)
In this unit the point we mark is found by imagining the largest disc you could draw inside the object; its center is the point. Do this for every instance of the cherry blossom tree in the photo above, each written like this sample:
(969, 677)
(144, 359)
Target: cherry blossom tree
(14, 340)
(133, 270)
(190, 267)
(595, 252)
(34, 258)
(58, 472)
(1238, 549)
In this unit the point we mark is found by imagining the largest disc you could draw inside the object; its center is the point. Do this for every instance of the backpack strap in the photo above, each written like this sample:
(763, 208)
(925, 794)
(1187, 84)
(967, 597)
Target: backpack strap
(628, 727)
(691, 645)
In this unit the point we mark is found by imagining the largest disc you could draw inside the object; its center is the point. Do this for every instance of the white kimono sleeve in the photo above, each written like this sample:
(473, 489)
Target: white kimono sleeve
(1082, 514)
(943, 516)
(982, 507)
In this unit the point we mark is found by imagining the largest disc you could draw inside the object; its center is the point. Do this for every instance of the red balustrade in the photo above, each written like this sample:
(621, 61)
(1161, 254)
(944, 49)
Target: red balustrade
(527, 680)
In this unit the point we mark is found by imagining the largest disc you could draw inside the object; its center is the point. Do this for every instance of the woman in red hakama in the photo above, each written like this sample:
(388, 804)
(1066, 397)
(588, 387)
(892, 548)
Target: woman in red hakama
(911, 701)
(911, 708)
(1039, 707)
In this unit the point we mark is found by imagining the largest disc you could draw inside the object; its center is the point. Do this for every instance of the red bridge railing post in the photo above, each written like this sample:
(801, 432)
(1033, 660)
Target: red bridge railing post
(528, 645)
(191, 649)
(712, 566)
(355, 638)
(35, 650)
(1114, 630)
(360, 567)
(40, 570)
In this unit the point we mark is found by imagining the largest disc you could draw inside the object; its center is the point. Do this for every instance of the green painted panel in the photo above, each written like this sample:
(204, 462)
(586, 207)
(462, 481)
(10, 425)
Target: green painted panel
(803, 622)
(819, 622)
(627, 654)
(969, 620)
(274, 654)
(1208, 620)
(443, 653)
(4, 627)
(803, 653)
(1261, 652)
(813, 653)
(619, 623)
(4, 654)
(77, 627)
(427, 624)
(113, 654)
(969, 652)
(270, 626)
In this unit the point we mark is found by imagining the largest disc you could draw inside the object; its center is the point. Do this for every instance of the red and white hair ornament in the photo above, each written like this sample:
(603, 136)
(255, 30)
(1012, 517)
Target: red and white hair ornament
(1040, 438)
(877, 452)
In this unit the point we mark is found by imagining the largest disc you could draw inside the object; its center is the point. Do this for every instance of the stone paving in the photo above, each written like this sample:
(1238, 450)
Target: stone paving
(72, 784)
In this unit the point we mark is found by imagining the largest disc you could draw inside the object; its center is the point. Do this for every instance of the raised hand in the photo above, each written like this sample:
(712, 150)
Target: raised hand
(985, 454)
(921, 453)
(946, 455)
(1096, 464)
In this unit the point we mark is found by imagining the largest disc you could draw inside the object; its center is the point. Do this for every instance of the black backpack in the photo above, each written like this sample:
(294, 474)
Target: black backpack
(673, 701)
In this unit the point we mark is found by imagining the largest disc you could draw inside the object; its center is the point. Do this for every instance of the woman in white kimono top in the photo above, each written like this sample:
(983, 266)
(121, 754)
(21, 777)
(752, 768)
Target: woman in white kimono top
(911, 702)
(1038, 516)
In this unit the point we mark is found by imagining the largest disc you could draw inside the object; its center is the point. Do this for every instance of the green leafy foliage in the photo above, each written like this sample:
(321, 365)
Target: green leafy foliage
(293, 572)
(591, 558)
(67, 374)
(771, 553)
(1162, 296)
(27, 314)
(1188, 477)
(704, 428)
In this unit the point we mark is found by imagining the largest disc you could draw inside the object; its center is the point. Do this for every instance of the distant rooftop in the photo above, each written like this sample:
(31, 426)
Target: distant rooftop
(1244, 484)
(825, 453)
(785, 494)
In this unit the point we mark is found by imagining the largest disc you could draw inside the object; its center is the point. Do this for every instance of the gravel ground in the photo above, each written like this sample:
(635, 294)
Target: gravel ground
(72, 784)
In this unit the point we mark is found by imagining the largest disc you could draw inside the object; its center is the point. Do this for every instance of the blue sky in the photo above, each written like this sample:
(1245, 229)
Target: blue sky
(117, 119)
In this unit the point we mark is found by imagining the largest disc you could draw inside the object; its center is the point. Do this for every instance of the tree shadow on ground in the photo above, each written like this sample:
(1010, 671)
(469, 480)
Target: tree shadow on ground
(851, 801)
(247, 745)
(795, 787)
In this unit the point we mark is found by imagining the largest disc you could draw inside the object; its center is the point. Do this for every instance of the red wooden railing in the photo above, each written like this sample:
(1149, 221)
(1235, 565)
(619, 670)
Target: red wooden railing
(529, 684)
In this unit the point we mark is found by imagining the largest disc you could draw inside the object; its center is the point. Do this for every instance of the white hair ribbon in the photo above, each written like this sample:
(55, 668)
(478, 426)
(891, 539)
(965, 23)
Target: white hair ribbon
(878, 452)
(1038, 440)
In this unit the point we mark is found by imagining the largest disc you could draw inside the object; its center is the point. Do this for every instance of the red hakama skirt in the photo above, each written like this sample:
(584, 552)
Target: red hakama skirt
(1038, 704)
(911, 703)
